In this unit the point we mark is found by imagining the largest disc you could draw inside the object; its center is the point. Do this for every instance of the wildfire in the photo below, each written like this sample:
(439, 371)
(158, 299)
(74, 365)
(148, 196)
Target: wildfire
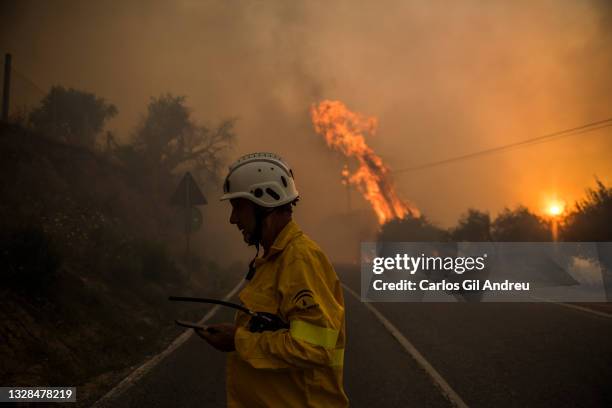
(344, 131)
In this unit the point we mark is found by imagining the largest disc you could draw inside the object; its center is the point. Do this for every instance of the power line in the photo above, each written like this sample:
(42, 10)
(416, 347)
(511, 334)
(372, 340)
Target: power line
(29, 81)
(532, 141)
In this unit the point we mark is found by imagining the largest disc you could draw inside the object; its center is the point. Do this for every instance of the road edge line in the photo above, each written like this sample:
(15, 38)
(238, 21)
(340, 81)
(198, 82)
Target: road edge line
(437, 378)
(143, 369)
(575, 307)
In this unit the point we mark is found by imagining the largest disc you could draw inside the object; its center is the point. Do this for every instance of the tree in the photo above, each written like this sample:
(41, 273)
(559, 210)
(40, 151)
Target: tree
(72, 116)
(171, 140)
(474, 226)
(591, 219)
(412, 229)
(519, 225)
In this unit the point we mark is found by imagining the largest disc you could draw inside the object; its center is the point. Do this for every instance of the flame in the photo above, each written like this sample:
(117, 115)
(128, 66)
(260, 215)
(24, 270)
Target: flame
(344, 131)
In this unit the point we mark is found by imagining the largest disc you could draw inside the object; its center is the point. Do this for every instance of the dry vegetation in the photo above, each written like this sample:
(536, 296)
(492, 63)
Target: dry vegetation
(86, 266)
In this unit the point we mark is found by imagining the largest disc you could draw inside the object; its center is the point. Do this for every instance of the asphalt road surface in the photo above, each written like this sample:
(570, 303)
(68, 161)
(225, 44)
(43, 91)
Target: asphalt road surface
(467, 354)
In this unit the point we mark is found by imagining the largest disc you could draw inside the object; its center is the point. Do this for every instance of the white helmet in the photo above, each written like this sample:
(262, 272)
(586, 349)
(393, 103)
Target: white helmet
(263, 178)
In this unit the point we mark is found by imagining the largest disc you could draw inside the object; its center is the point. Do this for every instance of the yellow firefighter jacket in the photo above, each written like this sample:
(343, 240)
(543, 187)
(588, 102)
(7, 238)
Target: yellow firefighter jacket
(300, 366)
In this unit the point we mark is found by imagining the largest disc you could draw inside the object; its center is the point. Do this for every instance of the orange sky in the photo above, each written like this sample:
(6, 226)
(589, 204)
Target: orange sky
(443, 79)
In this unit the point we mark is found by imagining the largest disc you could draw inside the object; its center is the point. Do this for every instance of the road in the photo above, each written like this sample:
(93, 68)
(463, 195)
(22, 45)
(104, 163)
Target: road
(486, 354)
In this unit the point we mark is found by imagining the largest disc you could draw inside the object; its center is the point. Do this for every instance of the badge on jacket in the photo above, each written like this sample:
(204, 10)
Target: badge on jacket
(304, 299)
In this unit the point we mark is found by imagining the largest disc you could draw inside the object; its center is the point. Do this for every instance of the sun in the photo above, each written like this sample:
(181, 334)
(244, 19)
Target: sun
(555, 208)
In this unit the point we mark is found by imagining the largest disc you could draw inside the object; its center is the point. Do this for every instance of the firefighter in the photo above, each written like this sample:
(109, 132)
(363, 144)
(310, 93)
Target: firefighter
(297, 359)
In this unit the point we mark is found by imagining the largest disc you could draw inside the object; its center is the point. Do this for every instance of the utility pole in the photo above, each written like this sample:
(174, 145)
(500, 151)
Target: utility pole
(346, 181)
(188, 225)
(7, 87)
(348, 199)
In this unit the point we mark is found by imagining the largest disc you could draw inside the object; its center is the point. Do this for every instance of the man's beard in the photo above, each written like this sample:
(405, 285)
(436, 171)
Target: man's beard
(249, 238)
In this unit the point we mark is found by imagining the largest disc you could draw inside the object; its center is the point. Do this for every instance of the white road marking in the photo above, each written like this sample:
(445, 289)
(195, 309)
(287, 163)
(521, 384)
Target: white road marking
(140, 372)
(437, 379)
(575, 307)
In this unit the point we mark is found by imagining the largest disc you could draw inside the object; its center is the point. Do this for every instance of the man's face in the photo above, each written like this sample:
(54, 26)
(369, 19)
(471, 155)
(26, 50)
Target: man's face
(243, 216)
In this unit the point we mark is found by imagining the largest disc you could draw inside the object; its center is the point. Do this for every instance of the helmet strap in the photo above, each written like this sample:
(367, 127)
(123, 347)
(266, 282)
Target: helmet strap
(260, 214)
(252, 264)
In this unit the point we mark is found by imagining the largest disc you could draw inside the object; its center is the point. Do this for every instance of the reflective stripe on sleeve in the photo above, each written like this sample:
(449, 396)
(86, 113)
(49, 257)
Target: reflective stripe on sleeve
(320, 336)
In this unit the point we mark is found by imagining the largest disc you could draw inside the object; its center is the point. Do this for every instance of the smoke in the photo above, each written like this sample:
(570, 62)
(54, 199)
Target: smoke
(442, 78)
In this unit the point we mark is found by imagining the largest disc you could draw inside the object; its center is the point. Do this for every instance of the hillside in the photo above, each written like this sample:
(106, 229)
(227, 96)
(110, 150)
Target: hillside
(89, 256)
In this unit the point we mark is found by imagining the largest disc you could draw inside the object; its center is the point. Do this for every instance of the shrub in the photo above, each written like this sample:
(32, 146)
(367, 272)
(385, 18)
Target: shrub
(29, 260)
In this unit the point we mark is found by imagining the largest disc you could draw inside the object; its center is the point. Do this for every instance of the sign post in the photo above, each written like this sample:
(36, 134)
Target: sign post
(187, 196)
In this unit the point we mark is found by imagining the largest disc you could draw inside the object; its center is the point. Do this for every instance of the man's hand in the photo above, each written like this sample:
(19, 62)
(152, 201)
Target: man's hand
(220, 336)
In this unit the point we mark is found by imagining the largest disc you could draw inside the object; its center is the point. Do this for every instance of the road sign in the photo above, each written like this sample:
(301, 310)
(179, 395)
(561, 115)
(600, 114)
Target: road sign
(188, 193)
